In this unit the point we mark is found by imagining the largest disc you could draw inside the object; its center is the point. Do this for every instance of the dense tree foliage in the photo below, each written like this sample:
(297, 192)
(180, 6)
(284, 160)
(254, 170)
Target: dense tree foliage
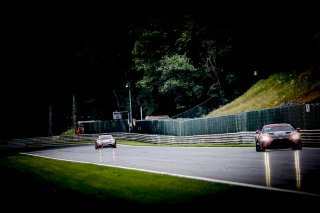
(180, 63)
(173, 59)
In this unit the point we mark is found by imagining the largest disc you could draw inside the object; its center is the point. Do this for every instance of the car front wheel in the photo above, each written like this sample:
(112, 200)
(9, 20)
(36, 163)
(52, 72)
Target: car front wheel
(298, 147)
(258, 147)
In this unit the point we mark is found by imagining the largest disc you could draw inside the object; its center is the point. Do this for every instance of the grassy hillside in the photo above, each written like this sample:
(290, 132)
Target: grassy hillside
(274, 91)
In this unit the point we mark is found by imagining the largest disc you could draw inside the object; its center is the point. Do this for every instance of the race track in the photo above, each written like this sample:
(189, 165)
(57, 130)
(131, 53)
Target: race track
(297, 171)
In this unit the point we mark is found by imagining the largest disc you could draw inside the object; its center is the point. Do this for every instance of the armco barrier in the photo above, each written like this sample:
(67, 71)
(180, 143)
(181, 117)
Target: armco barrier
(47, 141)
(241, 137)
(310, 138)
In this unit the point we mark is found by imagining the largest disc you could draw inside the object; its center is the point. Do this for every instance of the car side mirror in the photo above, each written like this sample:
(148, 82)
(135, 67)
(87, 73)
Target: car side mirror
(257, 131)
(298, 129)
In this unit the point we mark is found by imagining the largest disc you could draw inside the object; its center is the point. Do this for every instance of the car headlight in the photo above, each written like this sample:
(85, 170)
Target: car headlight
(265, 138)
(295, 136)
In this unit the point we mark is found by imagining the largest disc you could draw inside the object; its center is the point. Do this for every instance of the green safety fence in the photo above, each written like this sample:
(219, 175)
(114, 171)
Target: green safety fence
(304, 116)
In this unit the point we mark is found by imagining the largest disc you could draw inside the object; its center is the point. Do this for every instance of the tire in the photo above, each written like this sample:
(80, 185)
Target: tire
(298, 147)
(259, 148)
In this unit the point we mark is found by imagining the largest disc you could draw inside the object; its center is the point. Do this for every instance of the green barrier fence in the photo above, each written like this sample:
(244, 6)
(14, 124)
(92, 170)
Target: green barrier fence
(302, 116)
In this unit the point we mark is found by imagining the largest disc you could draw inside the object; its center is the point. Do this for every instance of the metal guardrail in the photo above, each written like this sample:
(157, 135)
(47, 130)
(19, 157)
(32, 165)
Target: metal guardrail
(310, 138)
(241, 137)
(45, 141)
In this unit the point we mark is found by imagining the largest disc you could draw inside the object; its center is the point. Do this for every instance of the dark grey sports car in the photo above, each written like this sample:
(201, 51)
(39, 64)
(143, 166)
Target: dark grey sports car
(281, 135)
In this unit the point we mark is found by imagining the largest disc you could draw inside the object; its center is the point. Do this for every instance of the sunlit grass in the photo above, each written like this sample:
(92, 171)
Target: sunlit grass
(70, 131)
(278, 89)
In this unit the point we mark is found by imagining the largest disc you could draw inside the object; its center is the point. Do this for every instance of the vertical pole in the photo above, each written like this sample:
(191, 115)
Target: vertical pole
(74, 112)
(50, 120)
(140, 112)
(130, 108)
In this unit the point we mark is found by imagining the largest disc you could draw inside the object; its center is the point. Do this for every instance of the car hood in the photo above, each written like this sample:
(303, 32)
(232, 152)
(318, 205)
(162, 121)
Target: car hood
(279, 133)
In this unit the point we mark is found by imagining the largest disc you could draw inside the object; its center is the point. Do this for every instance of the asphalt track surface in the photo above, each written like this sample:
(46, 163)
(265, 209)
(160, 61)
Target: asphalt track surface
(296, 171)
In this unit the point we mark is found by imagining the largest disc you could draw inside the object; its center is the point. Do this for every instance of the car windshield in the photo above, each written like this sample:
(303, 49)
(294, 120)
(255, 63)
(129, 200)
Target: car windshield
(105, 137)
(278, 128)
